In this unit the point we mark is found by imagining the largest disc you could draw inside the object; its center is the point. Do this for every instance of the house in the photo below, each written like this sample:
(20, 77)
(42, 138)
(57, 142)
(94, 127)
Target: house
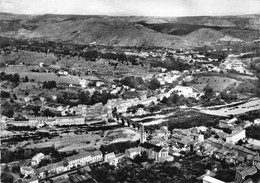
(51, 169)
(132, 152)
(218, 143)
(16, 123)
(96, 156)
(32, 179)
(54, 97)
(26, 170)
(37, 159)
(99, 83)
(208, 179)
(42, 99)
(79, 159)
(83, 83)
(224, 123)
(27, 99)
(153, 151)
(243, 175)
(256, 160)
(111, 159)
(236, 135)
(70, 120)
(227, 146)
(186, 91)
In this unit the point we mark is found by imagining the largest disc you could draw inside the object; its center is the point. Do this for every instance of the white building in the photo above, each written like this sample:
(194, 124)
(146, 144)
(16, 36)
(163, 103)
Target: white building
(132, 152)
(26, 170)
(83, 83)
(235, 136)
(70, 120)
(186, 91)
(96, 156)
(208, 179)
(111, 159)
(79, 159)
(37, 159)
(158, 153)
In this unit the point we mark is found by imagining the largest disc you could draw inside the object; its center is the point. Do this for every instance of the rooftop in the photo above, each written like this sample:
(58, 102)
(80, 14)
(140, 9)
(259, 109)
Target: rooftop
(211, 179)
(250, 171)
(147, 145)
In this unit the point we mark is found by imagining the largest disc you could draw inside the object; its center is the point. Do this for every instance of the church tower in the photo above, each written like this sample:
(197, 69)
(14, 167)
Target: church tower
(142, 134)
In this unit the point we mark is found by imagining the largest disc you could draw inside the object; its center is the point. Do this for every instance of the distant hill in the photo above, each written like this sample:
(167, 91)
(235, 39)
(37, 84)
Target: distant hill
(130, 31)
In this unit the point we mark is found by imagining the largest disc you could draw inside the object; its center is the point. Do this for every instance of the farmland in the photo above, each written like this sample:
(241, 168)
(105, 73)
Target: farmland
(218, 83)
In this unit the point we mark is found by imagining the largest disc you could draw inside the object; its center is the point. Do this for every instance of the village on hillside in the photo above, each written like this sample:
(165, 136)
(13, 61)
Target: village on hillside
(98, 114)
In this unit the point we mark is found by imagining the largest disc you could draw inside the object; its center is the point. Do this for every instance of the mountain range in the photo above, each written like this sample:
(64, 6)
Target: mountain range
(174, 32)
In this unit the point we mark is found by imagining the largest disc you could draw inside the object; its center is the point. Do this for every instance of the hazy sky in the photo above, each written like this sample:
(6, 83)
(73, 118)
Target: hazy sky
(132, 7)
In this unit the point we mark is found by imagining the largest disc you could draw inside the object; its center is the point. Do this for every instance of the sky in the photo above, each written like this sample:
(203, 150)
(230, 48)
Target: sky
(132, 7)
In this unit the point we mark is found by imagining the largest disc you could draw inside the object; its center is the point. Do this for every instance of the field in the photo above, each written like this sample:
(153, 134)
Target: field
(41, 77)
(218, 83)
(152, 120)
(68, 142)
(72, 141)
(121, 135)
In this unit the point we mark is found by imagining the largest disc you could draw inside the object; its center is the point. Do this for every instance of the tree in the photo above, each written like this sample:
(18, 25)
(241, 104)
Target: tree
(16, 78)
(49, 84)
(65, 162)
(154, 84)
(143, 157)
(84, 97)
(14, 96)
(26, 79)
(5, 94)
(2, 76)
(15, 169)
(208, 93)
(36, 109)
(7, 177)
(47, 112)
(8, 112)
(132, 82)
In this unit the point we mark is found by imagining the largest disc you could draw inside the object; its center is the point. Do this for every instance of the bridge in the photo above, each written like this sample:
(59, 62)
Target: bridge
(128, 122)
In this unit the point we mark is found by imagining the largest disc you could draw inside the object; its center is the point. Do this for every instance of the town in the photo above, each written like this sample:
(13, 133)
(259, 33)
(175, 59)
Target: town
(190, 111)
(129, 99)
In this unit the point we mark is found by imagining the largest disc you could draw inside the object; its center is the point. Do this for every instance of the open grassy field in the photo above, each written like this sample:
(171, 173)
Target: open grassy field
(68, 142)
(71, 141)
(218, 83)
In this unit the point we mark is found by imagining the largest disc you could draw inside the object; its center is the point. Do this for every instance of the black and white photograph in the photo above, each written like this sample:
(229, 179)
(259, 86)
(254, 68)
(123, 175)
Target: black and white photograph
(130, 91)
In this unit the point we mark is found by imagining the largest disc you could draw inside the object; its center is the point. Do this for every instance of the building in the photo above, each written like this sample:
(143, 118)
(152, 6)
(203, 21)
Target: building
(37, 159)
(79, 159)
(132, 152)
(186, 91)
(26, 170)
(208, 179)
(154, 152)
(227, 123)
(51, 169)
(142, 134)
(243, 175)
(96, 156)
(70, 120)
(235, 136)
(33, 179)
(111, 159)
(256, 161)
(83, 83)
